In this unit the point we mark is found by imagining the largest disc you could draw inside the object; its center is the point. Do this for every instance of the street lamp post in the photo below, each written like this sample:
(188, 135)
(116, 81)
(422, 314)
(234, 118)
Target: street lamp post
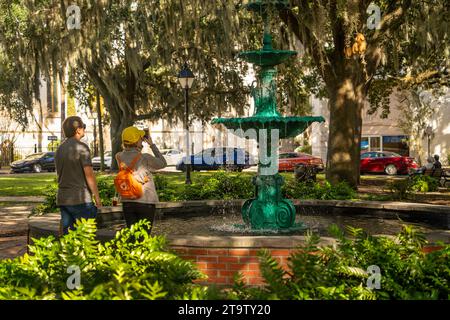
(186, 78)
(429, 132)
(94, 118)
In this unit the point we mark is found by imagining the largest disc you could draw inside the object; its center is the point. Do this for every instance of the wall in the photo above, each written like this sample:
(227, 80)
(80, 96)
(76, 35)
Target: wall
(222, 264)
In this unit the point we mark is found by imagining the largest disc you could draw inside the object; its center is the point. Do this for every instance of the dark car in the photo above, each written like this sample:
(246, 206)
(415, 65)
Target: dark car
(228, 158)
(289, 160)
(35, 163)
(389, 162)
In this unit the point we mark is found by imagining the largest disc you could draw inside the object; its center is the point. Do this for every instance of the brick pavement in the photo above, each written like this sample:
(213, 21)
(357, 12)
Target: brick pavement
(13, 229)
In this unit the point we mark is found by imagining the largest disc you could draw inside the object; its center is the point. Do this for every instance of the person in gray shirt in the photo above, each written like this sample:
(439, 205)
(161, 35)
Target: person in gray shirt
(145, 206)
(76, 179)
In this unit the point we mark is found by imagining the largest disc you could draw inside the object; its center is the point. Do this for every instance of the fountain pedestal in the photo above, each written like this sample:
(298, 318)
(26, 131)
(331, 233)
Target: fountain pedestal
(269, 210)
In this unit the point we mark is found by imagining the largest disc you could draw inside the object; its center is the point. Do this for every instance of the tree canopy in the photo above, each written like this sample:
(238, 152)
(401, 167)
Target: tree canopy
(132, 50)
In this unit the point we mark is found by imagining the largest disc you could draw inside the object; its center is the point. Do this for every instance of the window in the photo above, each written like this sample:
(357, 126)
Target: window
(372, 155)
(365, 143)
(34, 156)
(375, 143)
(365, 155)
(396, 144)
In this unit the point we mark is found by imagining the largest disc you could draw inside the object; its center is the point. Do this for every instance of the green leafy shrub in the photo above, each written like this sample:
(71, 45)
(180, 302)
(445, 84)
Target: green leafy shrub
(221, 186)
(105, 189)
(134, 265)
(400, 189)
(340, 272)
(165, 191)
(405, 188)
(424, 184)
(49, 204)
(161, 182)
(315, 190)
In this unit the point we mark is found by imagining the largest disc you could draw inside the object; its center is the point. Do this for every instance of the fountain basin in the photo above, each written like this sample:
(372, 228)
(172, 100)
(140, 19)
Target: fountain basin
(267, 58)
(202, 231)
(287, 126)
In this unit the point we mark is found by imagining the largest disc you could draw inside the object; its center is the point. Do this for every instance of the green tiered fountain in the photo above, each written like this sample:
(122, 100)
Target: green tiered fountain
(268, 211)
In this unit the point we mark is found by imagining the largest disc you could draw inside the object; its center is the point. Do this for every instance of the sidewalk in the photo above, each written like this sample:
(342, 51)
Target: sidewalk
(23, 199)
(13, 230)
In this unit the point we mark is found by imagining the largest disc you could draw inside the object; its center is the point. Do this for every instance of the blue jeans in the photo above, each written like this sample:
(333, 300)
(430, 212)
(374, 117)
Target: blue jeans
(70, 214)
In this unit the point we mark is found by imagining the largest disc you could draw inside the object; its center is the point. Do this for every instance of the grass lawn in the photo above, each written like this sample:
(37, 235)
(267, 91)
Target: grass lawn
(25, 184)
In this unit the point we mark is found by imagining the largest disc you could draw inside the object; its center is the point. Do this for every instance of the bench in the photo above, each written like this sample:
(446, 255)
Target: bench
(437, 173)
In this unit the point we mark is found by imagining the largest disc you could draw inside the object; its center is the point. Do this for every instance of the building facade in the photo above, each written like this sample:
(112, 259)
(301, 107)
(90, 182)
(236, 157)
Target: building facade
(395, 133)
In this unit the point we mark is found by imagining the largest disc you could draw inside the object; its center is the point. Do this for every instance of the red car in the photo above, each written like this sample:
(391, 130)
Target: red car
(388, 162)
(288, 161)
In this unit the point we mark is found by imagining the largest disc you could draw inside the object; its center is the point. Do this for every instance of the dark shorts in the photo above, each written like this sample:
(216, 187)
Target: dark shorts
(70, 214)
(133, 212)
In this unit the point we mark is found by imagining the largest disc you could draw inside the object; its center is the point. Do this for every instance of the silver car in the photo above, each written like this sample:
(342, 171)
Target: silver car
(107, 161)
(172, 156)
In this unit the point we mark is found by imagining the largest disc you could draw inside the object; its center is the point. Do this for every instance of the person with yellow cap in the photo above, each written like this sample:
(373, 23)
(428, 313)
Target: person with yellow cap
(143, 164)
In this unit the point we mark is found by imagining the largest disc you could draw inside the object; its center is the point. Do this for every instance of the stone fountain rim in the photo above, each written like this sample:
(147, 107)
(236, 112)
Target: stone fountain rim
(48, 224)
(360, 204)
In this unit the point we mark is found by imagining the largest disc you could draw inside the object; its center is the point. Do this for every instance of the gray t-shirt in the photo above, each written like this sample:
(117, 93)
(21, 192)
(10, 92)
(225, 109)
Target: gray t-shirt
(144, 168)
(71, 158)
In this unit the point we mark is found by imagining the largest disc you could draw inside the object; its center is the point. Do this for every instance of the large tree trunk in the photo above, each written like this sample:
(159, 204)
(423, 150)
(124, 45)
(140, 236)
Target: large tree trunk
(344, 141)
(121, 111)
(119, 121)
(122, 118)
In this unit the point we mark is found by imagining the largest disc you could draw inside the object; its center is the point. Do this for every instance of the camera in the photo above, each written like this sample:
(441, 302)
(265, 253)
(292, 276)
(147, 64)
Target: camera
(147, 133)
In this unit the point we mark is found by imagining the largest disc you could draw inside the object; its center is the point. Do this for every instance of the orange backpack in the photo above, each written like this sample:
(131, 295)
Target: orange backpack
(126, 184)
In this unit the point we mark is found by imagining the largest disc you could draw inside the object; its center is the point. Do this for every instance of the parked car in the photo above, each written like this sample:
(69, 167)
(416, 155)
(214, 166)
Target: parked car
(36, 162)
(289, 160)
(172, 156)
(107, 161)
(228, 158)
(389, 162)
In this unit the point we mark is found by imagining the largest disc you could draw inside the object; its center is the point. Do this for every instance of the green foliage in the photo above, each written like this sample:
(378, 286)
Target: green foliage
(161, 182)
(424, 184)
(315, 190)
(105, 189)
(339, 272)
(49, 204)
(405, 188)
(220, 185)
(134, 265)
(400, 189)
(53, 145)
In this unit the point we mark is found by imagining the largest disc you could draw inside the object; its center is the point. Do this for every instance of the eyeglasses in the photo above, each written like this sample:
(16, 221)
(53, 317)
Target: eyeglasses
(83, 126)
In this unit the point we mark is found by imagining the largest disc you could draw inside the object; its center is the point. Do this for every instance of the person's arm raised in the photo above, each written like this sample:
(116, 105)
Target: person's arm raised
(158, 161)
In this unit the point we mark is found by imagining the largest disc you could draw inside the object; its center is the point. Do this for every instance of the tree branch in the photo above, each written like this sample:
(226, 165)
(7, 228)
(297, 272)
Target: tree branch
(305, 35)
(390, 23)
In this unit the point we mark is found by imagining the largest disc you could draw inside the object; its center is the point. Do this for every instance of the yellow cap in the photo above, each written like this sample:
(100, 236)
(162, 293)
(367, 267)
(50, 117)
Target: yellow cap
(132, 135)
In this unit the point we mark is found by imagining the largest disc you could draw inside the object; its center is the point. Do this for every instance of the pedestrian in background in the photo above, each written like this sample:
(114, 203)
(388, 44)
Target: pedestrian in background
(77, 185)
(141, 205)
